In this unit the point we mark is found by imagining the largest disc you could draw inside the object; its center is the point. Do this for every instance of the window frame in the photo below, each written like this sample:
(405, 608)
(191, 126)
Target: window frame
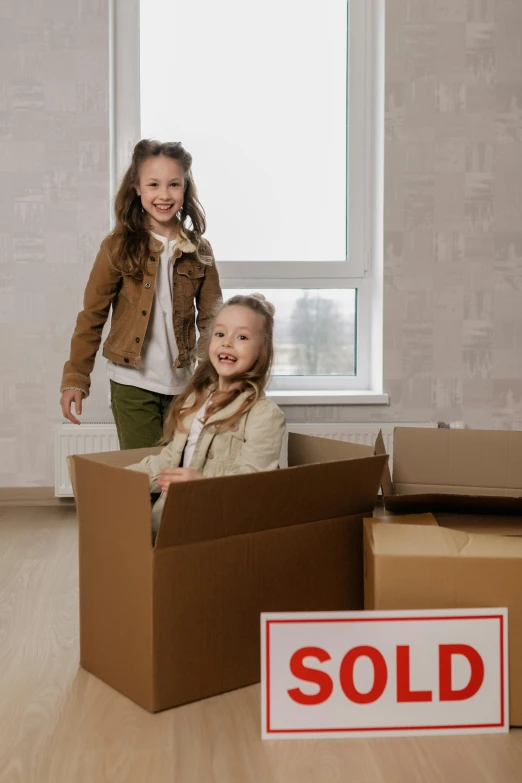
(362, 269)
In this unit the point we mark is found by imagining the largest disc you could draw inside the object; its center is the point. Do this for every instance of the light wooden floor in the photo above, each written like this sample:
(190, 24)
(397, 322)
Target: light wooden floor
(58, 724)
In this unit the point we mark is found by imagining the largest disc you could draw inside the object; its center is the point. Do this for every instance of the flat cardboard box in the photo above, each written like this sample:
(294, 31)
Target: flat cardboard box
(434, 567)
(460, 471)
(179, 621)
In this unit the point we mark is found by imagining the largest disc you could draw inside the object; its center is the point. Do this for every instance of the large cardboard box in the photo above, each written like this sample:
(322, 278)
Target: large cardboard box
(180, 621)
(454, 562)
(454, 470)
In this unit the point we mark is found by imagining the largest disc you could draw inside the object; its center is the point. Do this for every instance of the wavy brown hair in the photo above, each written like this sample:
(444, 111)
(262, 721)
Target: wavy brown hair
(130, 237)
(206, 378)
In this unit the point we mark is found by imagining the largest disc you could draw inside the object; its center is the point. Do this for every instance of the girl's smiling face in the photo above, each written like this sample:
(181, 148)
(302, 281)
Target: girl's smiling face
(161, 189)
(236, 343)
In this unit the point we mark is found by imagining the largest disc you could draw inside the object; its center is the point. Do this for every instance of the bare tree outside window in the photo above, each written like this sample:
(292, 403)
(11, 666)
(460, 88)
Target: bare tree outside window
(314, 330)
(322, 335)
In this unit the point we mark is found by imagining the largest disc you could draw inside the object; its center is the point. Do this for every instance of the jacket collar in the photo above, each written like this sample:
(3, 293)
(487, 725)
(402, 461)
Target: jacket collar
(229, 410)
(209, 433)
(224, 413)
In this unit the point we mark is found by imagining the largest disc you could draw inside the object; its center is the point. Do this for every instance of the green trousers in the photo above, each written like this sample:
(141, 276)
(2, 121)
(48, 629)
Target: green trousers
(139, 415)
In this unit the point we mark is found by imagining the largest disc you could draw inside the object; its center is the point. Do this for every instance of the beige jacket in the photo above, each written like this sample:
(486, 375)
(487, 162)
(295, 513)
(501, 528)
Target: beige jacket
(253, 445)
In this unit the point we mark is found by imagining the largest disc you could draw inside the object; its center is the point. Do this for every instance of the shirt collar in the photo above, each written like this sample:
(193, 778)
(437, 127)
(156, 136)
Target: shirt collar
(163, 240)
(157, 242)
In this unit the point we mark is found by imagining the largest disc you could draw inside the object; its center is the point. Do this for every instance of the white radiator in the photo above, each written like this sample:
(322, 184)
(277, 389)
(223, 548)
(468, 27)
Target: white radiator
(72, 439)
(364, 433)
(92, 438)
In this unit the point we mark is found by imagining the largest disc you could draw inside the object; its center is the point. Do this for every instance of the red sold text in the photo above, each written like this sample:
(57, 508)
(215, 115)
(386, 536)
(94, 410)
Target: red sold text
(404, 692)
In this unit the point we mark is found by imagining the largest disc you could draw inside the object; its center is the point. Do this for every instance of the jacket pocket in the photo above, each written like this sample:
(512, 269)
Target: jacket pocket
(122, 318)
(190, 276)
(234, 448)
(131, 290)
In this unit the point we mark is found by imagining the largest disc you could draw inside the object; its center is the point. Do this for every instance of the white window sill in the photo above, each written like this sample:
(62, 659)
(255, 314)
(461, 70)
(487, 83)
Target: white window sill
(315, 397)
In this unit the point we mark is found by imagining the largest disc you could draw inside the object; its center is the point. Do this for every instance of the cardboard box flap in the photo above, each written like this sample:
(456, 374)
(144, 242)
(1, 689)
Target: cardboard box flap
(444, 489)
(457, 458)
(72, 473)
(408, 519)
(413, 540)
(386, 481)
(418, 541)
(120, 459)
(116, 577)
(115, 502)
(453, 502)
(309, 450)
(237, 505)
(493, 525)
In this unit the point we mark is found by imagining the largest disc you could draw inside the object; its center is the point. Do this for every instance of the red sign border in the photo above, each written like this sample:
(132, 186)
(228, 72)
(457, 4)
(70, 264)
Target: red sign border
(498, 617)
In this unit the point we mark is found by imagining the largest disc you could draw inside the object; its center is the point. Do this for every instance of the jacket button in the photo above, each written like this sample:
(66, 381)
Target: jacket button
(126, 360)
(144, 312)
(147, 285)
(137, 339)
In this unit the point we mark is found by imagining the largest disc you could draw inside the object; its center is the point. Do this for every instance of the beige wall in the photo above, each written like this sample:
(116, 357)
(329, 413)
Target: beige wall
(453, 215)
(54, 210)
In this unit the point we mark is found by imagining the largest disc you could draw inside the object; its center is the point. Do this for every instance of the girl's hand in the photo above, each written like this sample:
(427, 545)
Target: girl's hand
(68, 397)
(176, 475)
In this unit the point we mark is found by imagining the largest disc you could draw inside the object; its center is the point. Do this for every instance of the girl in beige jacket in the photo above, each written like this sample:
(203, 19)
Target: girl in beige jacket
(223, 423)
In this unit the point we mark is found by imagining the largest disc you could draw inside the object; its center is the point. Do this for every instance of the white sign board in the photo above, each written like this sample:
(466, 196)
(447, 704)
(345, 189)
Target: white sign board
(374, 674)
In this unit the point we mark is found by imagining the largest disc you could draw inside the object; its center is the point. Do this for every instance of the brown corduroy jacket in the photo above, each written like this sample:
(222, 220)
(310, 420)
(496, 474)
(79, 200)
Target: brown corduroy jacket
(195, 285)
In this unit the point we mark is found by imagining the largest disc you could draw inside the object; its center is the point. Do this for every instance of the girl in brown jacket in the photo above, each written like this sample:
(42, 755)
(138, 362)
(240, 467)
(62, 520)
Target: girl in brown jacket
(154, 271)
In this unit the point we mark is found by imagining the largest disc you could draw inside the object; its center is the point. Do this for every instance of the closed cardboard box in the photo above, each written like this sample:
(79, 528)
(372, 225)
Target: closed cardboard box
(179, 621)
(454, 471)
(451, 562)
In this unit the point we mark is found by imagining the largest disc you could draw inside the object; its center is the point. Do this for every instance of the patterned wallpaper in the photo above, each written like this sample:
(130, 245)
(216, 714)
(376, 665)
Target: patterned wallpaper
(453, 215)
(453, 201)
(54, 211)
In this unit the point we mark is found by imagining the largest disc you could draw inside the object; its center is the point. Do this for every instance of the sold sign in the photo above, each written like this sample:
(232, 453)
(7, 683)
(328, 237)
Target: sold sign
(360, 674)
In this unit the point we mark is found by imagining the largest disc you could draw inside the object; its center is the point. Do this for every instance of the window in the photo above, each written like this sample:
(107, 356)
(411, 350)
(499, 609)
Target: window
(314, 335)
(279, 103)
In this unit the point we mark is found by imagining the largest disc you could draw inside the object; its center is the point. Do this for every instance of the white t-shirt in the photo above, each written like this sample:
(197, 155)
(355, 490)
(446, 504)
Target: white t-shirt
(194, 433)
(160, 350)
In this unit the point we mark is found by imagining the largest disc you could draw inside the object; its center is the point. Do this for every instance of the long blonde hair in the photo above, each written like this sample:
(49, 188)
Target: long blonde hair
(206, 378)
(131, 234)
